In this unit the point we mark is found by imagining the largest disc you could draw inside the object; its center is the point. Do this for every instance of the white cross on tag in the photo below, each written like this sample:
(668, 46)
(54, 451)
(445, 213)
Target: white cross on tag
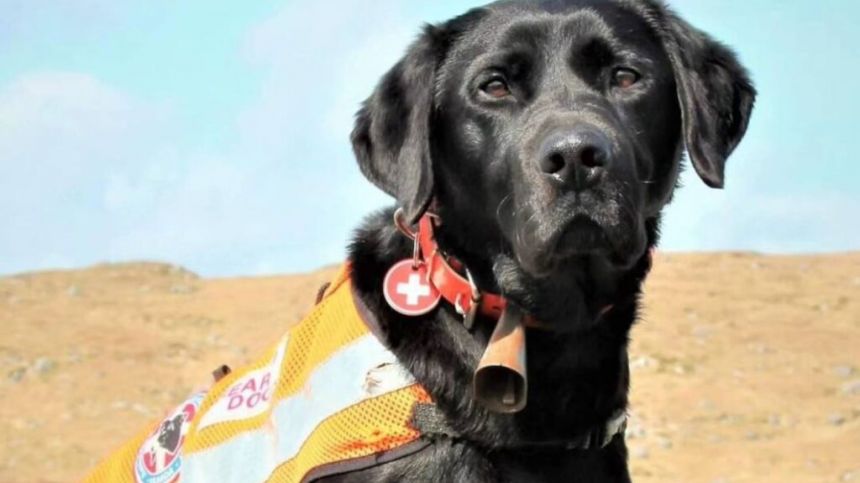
(414, 289)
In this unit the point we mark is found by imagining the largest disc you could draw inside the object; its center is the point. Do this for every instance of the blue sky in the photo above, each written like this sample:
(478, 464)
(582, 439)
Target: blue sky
(216, 136)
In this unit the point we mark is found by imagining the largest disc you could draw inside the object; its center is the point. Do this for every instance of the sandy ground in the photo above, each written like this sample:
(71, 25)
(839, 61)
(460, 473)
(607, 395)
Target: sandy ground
(746, 368)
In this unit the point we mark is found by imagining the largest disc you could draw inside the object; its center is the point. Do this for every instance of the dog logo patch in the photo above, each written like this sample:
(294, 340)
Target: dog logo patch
(408, 289)
(159, 459)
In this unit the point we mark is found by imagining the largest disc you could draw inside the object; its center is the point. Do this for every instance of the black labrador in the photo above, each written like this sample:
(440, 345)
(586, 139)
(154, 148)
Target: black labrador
(547, 136)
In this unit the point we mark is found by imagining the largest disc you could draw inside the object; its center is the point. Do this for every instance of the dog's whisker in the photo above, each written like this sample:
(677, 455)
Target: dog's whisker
(499, 208)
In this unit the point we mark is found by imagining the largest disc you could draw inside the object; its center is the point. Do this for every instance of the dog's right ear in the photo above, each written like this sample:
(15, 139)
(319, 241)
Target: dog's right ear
(391, 138)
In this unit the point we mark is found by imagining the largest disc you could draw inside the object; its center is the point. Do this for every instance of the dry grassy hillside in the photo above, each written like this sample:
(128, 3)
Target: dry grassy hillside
(745, 367)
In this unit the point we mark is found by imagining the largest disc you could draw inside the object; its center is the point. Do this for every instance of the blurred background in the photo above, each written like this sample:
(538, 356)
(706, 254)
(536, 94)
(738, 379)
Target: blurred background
(211, 140)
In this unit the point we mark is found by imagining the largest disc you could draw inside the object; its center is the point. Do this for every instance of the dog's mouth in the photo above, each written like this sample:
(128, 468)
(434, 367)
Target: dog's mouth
(582, 235)
(582, 229)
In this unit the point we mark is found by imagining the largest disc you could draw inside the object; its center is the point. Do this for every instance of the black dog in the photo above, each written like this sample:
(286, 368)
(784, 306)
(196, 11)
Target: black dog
(547, 137)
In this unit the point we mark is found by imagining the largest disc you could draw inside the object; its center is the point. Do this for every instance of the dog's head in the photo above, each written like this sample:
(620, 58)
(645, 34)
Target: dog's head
(555, 128)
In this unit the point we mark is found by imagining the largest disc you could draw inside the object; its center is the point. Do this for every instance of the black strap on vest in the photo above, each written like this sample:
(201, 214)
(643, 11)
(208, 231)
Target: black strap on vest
(429, 420)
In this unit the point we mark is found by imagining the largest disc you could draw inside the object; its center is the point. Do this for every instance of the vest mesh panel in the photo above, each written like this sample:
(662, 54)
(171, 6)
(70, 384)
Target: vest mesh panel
(367, 426)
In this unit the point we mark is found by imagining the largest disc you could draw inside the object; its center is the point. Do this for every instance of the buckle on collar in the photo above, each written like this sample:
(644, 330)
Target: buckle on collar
(469, 316)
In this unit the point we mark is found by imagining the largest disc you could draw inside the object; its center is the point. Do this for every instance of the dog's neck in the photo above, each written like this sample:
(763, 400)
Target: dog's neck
(577, 378)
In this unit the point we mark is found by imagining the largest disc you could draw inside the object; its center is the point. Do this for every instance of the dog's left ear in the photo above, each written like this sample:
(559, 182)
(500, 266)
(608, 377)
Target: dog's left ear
(391, 138)
(715, 94)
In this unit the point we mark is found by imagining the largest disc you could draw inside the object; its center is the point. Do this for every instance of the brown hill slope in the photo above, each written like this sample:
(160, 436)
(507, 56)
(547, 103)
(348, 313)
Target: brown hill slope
(745, 367)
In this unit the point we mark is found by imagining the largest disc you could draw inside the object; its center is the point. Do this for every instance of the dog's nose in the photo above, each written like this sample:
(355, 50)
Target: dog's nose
(576, 158)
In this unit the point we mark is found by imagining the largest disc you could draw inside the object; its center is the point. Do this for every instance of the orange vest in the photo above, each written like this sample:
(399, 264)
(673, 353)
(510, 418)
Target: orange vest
(328, 398)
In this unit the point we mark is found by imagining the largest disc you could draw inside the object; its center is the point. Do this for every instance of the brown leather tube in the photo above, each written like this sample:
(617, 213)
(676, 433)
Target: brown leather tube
(500, 382)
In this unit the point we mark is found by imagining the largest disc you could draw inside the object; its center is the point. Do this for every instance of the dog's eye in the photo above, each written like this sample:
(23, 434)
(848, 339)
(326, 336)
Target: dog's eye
(624, 77)
(496, 88)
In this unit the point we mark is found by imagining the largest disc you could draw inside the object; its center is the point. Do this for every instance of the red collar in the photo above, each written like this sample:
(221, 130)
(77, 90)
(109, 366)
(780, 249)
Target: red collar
(454, 287)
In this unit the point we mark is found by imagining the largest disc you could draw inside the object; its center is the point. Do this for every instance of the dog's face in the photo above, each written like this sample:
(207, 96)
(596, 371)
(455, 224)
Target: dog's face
(555, 128)
(564, 118)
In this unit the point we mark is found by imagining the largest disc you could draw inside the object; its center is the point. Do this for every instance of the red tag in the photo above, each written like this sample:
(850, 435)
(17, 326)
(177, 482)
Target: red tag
(408, 290)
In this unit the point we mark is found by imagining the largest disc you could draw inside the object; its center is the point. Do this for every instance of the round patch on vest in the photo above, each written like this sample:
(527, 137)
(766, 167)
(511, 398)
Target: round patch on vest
(159, 459)
(408, 289)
